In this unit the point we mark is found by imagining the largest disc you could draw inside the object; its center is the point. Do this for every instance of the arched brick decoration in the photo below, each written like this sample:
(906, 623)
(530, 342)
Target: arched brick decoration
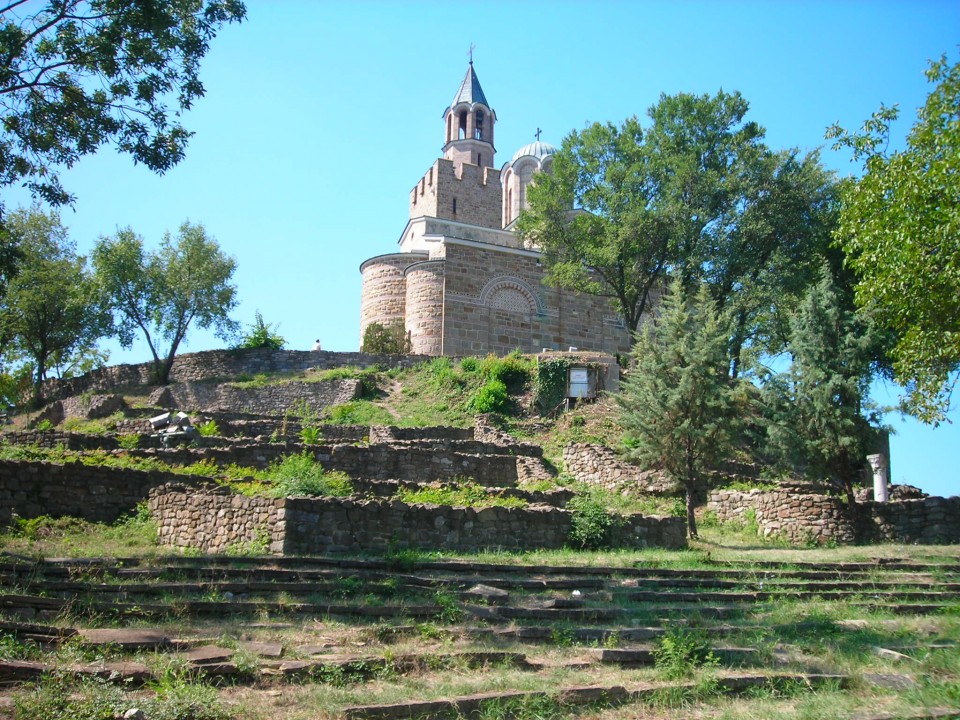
(512, 294)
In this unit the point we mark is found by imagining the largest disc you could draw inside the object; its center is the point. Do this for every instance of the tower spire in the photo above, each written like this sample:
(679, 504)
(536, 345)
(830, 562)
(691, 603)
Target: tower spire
(469, 123)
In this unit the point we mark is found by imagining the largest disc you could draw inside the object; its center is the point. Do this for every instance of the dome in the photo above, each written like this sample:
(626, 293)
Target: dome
(537, 149)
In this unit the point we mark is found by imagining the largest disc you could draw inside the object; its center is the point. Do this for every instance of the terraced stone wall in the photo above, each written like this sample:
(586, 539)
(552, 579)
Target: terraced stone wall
(823, 518)
(373, 462)
(214, 521)
(273, 399)
(599, 465)
(97, 494)
(389, 434)
(214, 364)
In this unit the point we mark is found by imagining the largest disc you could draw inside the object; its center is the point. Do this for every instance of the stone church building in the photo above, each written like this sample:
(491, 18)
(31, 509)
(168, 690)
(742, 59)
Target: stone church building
(461, 282)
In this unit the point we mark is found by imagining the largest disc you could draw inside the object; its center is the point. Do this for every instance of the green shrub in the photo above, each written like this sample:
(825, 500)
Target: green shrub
(513, 370)
(470, 364)
(679, 652)
(43, 426)
(464, 493)
(310, 434)
(490, 397)
(591, 522)
(385, 339)
(208, 428)
(303, 475)
(261, 335)
(130, 441)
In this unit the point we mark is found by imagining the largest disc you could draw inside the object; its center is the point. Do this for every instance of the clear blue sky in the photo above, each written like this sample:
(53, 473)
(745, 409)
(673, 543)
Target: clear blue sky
(320, 116)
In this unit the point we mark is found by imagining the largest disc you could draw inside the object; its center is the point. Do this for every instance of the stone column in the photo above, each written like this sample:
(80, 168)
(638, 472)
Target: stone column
(880, 477)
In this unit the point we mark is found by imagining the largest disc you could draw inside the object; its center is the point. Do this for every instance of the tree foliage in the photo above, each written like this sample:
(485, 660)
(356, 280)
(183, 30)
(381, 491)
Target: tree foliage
(820, 420)
(698, 195)
(614, 245)
(677, 404)
(385, 339)
(162, 294)
(900, 228)
(76, 74)
(53, 314)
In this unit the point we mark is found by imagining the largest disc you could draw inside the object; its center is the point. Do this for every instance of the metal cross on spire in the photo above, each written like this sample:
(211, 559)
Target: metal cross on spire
(537, 133)
(470, 52)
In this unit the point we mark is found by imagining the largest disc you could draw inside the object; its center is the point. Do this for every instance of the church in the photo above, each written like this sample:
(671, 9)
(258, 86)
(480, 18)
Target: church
(461, 282)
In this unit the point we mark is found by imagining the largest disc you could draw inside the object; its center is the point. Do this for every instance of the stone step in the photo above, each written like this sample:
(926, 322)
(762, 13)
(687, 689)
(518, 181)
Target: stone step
(594, 696)
(746, 597)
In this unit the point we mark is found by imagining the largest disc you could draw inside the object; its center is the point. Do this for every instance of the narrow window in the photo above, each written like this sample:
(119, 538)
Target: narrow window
(454, 206)
(478, 132)
(463, 125)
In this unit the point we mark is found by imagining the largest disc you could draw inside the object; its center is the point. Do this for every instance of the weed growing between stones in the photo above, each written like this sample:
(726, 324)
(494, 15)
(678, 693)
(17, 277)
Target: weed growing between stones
(680, 652)
(460, 492)
(303, 475)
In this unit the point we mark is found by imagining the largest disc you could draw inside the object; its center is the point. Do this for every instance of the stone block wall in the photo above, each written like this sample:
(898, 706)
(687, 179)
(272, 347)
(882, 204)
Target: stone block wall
(793, 517)
(215, 520)
(211, 521)
(388, 433)
(274, 399)
(373, 462)
(97, 494)
(599, 465)
(495, 301)
(823, 518)
(219, 364)
(383, 293)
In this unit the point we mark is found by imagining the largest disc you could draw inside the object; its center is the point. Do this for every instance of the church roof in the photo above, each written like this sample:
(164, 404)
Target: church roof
(536, 149)
(470, 90)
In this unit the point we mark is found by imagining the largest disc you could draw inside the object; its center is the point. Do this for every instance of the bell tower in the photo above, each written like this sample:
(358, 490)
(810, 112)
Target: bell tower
(468, 124)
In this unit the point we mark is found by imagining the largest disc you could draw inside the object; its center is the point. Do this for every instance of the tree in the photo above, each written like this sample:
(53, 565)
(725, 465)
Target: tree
(740, 217)
(52, 310)
(389, 339)
(900, 228)
(819, 419)
(699, 196)
(615, 246)
(76, 74)
(677, 401)
(161, 294)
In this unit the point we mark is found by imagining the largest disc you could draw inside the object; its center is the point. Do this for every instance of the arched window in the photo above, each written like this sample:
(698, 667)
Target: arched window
(478, 132)
(462, 131)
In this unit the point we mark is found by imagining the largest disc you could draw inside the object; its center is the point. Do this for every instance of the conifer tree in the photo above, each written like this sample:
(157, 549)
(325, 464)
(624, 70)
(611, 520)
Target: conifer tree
(818, 412)
(677, 404)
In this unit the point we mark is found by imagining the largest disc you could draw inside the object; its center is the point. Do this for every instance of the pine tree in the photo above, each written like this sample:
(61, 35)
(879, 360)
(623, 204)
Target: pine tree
(817, 422)
(677, 403)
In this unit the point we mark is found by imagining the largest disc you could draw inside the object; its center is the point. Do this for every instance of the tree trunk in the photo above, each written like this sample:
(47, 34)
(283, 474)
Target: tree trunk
(691, 517)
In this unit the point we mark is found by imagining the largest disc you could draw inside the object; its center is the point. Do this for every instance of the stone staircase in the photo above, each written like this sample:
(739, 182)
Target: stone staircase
(581, 634)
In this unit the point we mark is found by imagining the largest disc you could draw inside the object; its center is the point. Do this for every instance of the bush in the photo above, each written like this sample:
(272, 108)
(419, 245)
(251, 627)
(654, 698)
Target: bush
(512, 370)
(261, 335)
(389, 339)
(303, 475)
(591, 523)
(208, 428)
(679, 652)
(491, 397)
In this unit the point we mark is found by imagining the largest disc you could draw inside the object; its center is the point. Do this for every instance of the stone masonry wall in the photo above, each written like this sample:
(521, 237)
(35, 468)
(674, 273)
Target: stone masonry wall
(373, 462)
(599, 465)
(487, 310)
(794, 517)
(216, 364)
(475, 189)
(823, 518)
(212, 521)
(97, 494)
(273, 399)
(383, 294)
